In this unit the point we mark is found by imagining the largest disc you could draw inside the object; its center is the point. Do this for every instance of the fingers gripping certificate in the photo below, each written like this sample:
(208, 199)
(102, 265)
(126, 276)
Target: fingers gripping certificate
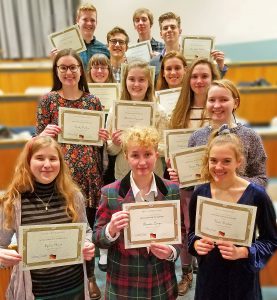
(80, 126)
(176, 140)
(157, 221)
(47, 246)
(188, 165)
(129, 114)
(221, 220)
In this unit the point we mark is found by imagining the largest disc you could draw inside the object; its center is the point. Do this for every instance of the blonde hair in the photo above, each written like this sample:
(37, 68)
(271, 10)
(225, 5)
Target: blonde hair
(100, 59)
(181, 113)
(85, 7)
(145, 137)
(168, 16)
(222, 139)
(149, 95)
(23, 180)
(161, 81)
(138, 12)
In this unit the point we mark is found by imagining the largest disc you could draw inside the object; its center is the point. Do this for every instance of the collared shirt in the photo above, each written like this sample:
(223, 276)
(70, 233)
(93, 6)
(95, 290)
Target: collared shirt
(150, 196)
(116, 73)
(93, 47)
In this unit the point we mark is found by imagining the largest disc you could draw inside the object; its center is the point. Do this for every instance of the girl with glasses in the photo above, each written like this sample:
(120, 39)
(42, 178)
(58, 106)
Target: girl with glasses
(70, 90)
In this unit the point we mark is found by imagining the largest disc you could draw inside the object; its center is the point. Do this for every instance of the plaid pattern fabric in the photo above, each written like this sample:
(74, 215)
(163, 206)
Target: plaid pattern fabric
(156, 46)
(134, 273)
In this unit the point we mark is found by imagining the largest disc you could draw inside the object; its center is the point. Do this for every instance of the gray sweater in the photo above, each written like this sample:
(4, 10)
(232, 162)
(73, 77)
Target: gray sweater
(255, 156)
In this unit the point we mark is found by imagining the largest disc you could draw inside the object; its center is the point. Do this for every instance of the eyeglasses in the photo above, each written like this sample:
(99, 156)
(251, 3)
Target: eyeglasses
(101, 67)
(72, 68)
(120, 42)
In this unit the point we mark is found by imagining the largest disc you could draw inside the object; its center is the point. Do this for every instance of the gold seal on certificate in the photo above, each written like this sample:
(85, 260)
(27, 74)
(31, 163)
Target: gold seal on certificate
(195, 47)
(188, 164)
(53, 245)
(176, 140)
(128, 114)
(141, 51)
(156, 221)
(80, 126)
(68, 38)
(106, 92)
(221, 220)
(168, 98)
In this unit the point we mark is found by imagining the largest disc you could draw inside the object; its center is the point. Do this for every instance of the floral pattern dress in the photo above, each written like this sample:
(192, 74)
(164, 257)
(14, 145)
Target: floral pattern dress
(84, 161)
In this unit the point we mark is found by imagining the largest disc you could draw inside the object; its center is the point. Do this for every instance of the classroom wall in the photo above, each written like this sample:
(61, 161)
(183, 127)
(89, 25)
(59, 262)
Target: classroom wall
(231, 22)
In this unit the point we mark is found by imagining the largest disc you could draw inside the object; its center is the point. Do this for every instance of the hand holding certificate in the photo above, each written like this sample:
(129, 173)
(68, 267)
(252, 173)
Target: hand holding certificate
(47, 246)
(80, 126)
(157, 221)
(168, 98)
(68, 38)
(221, 220)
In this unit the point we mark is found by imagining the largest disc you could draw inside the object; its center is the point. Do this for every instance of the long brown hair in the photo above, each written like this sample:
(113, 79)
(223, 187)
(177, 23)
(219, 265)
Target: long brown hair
(161, 82)
(23, 180)
(57, 85)
(149, 95)
(180, 115)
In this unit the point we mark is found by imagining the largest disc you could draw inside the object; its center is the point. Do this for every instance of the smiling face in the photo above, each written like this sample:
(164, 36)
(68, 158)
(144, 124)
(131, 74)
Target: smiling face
(220, 105)
(99, 73)
(137, 84)
(117, 45)
(170, 32)
(223, 163)
(68, 78)
(141, 159)
(201, 78)
(174, 72)
(45, 164)
(87, 22)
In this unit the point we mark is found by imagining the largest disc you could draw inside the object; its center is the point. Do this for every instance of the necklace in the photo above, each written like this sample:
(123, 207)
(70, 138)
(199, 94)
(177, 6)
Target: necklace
(45, 204)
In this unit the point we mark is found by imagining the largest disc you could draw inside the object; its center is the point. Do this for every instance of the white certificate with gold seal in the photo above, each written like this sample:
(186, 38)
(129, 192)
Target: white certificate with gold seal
(222, 220)
(155, 221)
(53, 245)
(188, 164)
(80, 126)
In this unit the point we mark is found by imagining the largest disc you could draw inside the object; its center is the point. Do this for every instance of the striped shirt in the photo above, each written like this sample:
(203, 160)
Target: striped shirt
(50, 282)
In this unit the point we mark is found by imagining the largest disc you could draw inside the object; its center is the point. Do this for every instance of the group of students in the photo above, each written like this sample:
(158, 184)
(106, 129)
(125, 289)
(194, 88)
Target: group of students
(43, 176)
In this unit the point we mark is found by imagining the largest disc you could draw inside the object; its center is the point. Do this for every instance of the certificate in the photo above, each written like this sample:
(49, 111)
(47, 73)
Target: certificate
(106, 92)
(68, 38)
(141, 51)
(188, 164)
(80, 126)
(176, 140)
(53, 245)
(129, 114)
(156, 221)
(221, 220)
(197, 47)
(168, 98)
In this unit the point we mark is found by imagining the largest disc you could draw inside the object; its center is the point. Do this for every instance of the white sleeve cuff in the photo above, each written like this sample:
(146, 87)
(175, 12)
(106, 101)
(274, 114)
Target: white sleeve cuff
(173, 255)
(109, 237)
